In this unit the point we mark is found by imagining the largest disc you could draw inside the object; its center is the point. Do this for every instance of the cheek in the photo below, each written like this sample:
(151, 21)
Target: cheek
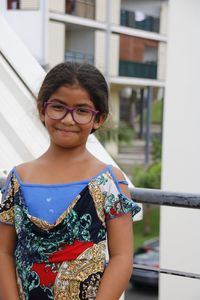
(48, 123)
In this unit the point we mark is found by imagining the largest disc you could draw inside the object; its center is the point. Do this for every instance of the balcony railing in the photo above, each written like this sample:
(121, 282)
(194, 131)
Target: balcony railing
(139, 20)
(81, 8)
(79, 57)
(137, 69)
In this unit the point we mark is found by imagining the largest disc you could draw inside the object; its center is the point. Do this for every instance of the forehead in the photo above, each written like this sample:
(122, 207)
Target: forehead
(72, 95)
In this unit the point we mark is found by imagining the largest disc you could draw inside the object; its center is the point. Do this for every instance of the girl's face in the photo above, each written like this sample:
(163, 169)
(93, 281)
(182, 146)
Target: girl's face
(67, 132)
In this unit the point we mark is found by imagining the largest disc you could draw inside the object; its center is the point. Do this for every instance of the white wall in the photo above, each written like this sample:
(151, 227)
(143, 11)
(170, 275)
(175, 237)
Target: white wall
(115, 11)
(56, 42)
(57, 6)
(100, 11)
(99, 51)
(164, 18)
(180, 245)
(162, 53)
(28, 24)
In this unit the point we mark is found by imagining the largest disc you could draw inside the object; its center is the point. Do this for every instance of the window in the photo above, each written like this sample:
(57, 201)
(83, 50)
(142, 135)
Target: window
(23, 4)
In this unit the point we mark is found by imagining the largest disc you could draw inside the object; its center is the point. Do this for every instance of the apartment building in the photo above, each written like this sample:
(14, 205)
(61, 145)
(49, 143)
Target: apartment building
(125, 39)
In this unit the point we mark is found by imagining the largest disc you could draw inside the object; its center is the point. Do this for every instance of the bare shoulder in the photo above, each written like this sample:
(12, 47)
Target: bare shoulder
(23, 168)
(96, 164)
(118, 173)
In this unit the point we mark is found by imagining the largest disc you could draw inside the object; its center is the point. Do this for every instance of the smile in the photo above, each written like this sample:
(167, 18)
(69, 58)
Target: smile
(66, 132)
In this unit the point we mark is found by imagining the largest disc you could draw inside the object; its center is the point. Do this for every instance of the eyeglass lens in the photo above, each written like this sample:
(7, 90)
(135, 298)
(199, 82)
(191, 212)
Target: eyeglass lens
(80, 115)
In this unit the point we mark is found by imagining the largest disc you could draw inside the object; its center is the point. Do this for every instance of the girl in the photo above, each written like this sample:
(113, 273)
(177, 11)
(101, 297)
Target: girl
(58, 208)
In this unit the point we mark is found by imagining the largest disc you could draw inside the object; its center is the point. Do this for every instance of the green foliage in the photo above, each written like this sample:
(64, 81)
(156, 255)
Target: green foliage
(147, 177)
(156, 114)
(139, 237)
(125, 134)
(150, 176)
(109, 131)
(156, 149)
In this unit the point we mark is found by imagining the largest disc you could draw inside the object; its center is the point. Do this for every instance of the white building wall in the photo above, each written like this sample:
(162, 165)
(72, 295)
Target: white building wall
(115, 12)
(99, 52)
(100, 10)
(180, 246)
(164, 18)
(28, 24)
(56, 49)
(114, 55)
(57, 6)
(29, 4)
(162, 53)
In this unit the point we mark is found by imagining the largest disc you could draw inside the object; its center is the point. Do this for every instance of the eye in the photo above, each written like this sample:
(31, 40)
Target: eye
(56, 106)
(83, 110)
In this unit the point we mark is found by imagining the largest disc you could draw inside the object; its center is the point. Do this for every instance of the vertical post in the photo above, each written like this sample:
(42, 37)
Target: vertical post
(107, 43)
(148, 124)
(141, 110)
(45, 22)
(162, 111)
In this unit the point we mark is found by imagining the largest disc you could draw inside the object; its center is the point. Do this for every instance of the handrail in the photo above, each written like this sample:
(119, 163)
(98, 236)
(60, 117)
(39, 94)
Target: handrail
(167, 271)
(165, 198)
(18, 75)
(160, 197)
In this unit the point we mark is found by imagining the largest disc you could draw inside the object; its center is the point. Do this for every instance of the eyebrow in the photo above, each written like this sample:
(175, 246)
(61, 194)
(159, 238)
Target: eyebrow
(83, 104)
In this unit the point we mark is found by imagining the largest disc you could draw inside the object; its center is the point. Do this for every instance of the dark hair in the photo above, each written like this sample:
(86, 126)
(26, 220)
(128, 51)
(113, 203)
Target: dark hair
(83, 74)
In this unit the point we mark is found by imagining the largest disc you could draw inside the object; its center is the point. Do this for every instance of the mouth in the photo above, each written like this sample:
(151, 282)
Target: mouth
(67, 131)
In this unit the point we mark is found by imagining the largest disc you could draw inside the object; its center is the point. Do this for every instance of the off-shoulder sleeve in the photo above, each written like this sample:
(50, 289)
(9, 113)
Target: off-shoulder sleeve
(7, 204)
(116, 203)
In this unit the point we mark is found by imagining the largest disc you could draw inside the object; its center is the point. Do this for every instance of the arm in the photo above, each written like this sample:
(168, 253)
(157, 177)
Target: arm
(120, 246)
(8, 281)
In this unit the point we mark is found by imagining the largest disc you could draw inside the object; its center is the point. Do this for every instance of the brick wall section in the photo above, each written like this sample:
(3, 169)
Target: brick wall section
(132, 48)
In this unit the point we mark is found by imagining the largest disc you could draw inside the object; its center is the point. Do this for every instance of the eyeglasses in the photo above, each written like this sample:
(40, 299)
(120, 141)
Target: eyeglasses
(80, 115)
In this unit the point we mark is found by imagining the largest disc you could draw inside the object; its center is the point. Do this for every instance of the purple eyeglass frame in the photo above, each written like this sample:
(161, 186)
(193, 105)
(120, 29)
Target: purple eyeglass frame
(70, 110)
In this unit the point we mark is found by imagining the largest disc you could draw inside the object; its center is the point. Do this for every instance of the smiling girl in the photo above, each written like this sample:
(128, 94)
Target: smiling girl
(61, 210)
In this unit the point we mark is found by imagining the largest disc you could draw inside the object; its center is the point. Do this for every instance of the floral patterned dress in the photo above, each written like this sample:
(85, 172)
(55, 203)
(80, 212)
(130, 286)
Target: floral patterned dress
(64, 260)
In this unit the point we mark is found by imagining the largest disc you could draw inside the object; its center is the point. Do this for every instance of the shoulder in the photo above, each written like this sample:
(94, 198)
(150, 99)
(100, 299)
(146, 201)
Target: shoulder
(23, 168)
(118, 173)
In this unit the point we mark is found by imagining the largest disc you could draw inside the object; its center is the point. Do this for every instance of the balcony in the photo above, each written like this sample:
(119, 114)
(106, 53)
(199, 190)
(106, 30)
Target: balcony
(138, 69)
(79, 57)
(81, 8)
(138, 20)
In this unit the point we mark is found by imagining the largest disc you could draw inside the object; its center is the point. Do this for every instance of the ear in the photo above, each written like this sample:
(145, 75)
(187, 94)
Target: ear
(99, 121)
(41, 114)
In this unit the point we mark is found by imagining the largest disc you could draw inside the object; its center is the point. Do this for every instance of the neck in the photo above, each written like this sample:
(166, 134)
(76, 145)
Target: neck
(56, 153)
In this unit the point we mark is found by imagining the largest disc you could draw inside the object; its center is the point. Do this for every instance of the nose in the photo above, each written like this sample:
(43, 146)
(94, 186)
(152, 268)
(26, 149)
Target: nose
(68, 119)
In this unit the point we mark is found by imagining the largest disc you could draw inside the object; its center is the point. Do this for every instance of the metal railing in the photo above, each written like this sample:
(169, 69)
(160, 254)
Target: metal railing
(139, 20)
(81, 8)
(138, 69)
(79, 57)
(174, 199)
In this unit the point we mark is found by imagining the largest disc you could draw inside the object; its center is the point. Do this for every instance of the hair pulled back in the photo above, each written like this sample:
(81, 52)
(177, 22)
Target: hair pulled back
(82, 74)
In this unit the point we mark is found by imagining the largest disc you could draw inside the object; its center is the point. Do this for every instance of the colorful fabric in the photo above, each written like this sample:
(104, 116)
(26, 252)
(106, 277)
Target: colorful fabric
(48, 201)
(64, 260)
